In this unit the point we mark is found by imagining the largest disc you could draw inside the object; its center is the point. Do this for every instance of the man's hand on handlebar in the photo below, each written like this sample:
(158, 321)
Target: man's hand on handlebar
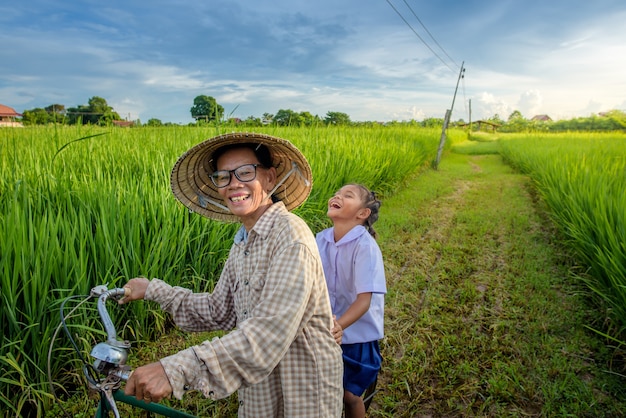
(149, 383)
(135, 290)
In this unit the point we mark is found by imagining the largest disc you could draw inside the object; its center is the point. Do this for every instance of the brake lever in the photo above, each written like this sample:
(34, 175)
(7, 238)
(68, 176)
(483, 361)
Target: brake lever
(108, 386)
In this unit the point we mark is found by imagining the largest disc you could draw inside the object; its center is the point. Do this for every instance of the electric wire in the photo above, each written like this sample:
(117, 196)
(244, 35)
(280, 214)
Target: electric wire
(90, 373)
(436, 42)
(419, 37)
(430, 34)
(63, 325)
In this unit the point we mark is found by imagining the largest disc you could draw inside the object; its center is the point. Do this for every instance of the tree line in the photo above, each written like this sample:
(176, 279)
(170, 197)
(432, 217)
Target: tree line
(206, 110)
(96, 112)
(613, 120)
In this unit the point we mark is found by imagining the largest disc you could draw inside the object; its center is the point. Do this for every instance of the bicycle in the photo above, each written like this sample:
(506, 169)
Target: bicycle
(109, 369)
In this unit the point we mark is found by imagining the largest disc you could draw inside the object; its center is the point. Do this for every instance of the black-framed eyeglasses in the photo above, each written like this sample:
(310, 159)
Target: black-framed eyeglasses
(244, 173)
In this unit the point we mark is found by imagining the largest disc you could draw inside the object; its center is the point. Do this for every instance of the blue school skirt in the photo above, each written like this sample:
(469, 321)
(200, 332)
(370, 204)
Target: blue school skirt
(361, 363)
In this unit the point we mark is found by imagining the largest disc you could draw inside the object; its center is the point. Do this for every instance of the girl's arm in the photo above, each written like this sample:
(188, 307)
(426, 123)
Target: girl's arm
(356, 310)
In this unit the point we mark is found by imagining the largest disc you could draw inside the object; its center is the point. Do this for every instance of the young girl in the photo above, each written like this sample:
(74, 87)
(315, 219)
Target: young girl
(353, 266)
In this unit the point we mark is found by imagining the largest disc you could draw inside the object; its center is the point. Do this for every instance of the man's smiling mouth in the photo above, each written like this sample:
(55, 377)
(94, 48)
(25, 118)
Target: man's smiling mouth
(238, 198)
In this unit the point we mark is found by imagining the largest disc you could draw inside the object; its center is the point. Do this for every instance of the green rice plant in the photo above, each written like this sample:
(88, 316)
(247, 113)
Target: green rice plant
(83, 206)
(582, 178)
(88, 217)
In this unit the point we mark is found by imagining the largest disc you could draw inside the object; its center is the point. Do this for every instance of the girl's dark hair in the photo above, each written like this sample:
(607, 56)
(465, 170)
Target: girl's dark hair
(261, 151)
(371, 202)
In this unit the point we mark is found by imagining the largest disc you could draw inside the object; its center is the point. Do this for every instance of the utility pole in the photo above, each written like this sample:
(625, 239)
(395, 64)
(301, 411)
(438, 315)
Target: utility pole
(446, 120)
(470, 116)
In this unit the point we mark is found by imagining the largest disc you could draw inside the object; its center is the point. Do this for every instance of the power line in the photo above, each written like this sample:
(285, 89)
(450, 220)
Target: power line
(419, 37)
(429, 34)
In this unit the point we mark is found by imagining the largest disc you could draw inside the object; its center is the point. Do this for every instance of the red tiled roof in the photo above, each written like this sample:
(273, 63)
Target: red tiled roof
(8, 111)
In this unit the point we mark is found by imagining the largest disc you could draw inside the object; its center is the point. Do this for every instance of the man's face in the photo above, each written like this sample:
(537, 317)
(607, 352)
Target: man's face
(247, 200)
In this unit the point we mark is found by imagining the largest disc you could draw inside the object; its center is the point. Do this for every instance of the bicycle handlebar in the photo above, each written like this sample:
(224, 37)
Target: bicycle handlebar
(104, 314)
(112, 353)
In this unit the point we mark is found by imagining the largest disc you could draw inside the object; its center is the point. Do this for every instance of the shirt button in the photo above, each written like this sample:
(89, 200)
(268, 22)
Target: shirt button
(240, 402)
(211, 393)
(247, 282)
(245, 313)
(247, 252)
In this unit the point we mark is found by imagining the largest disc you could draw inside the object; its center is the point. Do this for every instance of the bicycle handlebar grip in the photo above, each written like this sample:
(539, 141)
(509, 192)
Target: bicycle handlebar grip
(127, 291)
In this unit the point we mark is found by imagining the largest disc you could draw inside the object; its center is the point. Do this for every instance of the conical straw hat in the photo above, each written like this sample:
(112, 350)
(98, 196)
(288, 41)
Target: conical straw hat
(192, 186)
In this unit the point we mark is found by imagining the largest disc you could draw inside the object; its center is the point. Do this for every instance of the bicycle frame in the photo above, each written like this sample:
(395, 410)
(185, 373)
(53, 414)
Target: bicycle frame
(104, 408)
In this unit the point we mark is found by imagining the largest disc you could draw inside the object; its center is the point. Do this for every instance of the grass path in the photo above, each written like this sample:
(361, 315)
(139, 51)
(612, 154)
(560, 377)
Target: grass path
(483, 317)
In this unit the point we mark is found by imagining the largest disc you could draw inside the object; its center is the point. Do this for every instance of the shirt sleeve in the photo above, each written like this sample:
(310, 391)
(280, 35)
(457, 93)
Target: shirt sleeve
(248, 354)
(369, 269)
(196, 311)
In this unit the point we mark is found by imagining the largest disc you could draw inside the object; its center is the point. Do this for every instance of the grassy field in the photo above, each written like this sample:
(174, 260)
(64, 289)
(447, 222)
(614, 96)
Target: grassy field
(486, 313)
(582, 179)
(483, 316)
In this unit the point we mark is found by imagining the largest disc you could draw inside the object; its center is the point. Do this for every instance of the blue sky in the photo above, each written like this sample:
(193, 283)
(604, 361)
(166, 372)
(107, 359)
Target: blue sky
(150, 59)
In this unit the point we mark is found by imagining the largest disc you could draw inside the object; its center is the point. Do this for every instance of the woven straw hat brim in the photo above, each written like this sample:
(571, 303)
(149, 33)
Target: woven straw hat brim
(192, 186)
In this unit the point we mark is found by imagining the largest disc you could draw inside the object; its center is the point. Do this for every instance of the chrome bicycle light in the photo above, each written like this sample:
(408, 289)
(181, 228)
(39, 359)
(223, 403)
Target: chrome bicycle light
(108, 355)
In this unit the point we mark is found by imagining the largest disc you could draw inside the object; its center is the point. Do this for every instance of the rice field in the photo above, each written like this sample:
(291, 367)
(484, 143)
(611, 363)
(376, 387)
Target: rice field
(582, 179)
(83, 206)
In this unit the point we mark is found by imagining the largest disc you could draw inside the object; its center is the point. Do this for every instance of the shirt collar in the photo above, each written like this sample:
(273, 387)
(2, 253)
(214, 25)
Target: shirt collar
(241, 236)
(352, 235)
(263, 225)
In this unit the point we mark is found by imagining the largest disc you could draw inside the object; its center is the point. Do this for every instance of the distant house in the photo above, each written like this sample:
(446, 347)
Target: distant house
(541, 118)
(123, 123)
(7, 117)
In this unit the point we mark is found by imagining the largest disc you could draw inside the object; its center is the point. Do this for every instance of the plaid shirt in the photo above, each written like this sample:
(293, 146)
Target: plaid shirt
(281, 357)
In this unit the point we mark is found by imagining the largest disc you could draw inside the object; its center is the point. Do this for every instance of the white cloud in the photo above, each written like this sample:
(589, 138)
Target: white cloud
(488, 105)
(530, 103)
